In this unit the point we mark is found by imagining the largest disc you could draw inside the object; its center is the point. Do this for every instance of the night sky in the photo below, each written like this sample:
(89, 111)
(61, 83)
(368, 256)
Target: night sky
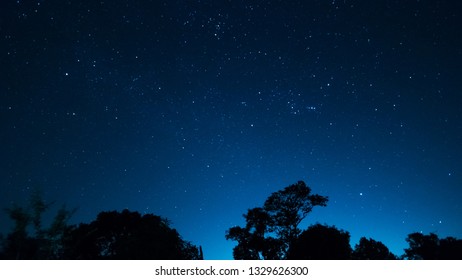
(199, 110)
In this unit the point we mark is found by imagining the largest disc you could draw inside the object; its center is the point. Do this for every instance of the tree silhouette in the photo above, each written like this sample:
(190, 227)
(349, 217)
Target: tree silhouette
(321, 242)
(288, 207)
(57, 233)
(450, 249)
(252, 242)
(38, 207)
(369, 249)
(128, 235)
(2, 247)
(430, 247)
(18, 244)
(43, 243)
(113, 235)
(270, 230)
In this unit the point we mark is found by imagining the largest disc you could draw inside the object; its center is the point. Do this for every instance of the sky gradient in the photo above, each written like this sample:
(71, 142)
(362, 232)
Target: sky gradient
(199, 110)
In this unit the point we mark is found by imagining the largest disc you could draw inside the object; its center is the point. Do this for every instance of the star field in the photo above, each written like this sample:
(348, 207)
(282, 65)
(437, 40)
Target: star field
(199, 110)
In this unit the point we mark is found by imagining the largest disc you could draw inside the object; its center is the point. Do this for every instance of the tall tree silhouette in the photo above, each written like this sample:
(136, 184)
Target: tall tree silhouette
(29, 239)
(57, 233)
(38, 207)
(288, 207)
(128, 235)
(321, 242)
(270, 230)
(252, 242)
(18, 244)
(369, 249)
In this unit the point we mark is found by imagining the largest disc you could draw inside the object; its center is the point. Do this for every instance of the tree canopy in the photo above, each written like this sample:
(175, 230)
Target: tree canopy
(369, 249)
(128, 235)
(321, 242)
(43, 243)
(270, 229)
(431, 247)
(271, 232)
(113, 235)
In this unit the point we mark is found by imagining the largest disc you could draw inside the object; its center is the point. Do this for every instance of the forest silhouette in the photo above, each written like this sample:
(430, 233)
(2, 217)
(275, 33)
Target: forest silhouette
(271, 232)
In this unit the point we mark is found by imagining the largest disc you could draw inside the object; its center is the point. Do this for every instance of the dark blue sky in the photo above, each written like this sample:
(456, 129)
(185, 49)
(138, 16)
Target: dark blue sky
(199, 110)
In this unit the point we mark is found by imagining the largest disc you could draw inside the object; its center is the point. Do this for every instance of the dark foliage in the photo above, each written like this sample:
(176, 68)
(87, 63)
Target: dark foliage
(252, 242)
(369, 249)
(270, 230)
(288, 207)
(42, 243)
(271, 233)
(422, 247)
(113, 235)
(128, 235)
(18, 245)
(321, 242)
(430, 247)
